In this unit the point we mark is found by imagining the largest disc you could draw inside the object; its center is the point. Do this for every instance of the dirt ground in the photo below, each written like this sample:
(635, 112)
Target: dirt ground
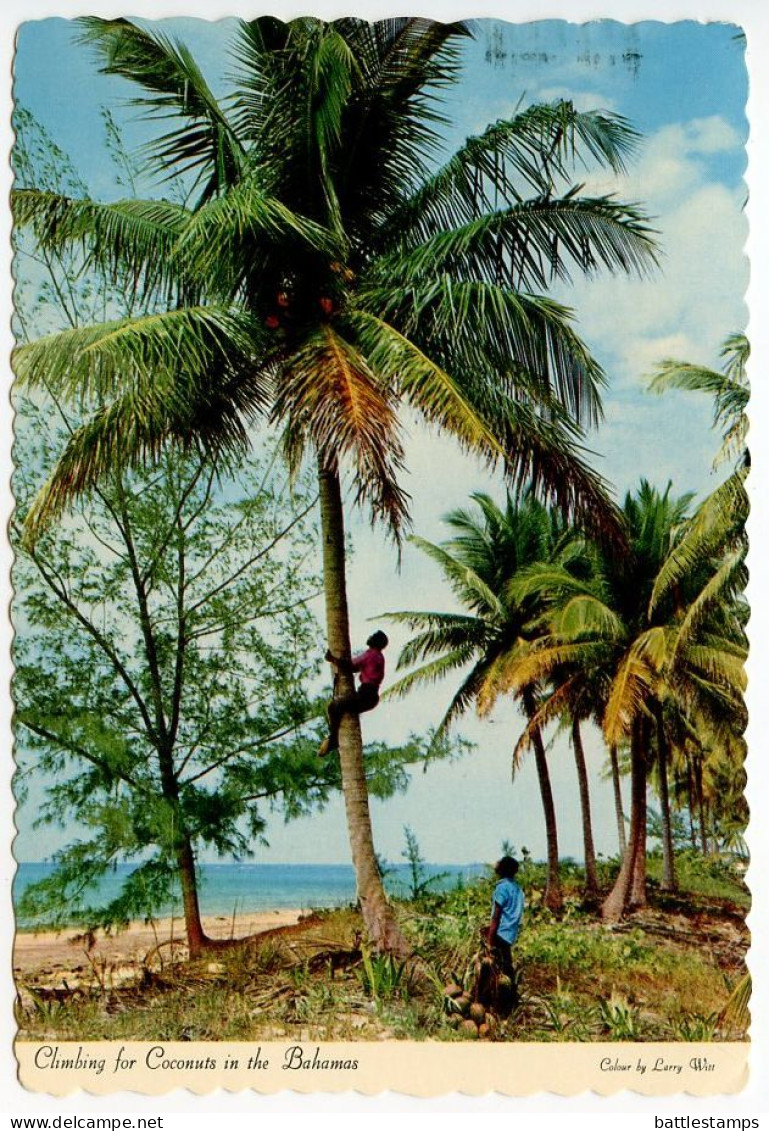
(69, 957)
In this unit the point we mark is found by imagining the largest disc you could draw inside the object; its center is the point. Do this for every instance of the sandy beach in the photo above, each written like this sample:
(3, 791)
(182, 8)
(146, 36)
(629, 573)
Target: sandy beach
(46, 958)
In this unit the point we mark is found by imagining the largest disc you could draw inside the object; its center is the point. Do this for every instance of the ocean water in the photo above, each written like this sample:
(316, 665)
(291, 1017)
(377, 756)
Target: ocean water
(237, 888)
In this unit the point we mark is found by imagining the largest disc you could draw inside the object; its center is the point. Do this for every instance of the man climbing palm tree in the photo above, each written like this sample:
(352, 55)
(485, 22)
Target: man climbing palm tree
(327, 275)
(371, 667)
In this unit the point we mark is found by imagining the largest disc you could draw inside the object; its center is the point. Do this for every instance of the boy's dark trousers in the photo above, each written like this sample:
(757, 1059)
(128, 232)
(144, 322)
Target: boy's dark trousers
(365, 698)
(507, 997)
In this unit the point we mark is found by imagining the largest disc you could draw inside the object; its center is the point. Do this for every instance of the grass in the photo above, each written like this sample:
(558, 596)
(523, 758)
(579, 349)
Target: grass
(672, 972)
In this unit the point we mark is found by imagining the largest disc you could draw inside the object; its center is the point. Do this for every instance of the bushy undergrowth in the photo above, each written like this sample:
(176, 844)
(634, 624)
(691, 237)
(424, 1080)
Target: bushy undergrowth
(672, 972)
(720, 877)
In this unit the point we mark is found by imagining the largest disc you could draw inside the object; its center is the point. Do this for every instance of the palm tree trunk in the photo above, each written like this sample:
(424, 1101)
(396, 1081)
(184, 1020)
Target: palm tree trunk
(591, 876)
(698, 793)
(708, 843)
(618, 800)
(553, 897)
(381, 926)
(668, 857)
(619, 897)
(690, 787)
(638, 883)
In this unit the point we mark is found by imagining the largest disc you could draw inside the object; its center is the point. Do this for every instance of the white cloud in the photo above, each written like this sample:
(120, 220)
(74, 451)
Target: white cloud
(675, 159)
(695, 298)
(713, 135)
(583, 99)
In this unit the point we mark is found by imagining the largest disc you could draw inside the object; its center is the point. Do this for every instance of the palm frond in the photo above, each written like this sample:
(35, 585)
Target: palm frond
(528, 245)
(537, 452)
(548, 582)
(729, 578)
(207, 410)
(329, 396)
(257, 50)
(226, 238)
(430, 672)
(736, 354)
(585, 615)
(323, 92)
(436, 632)
(542, 455)
(527, 340)
(129, 433)
(672, 374)
(392, 118)
(469, 586)
(424, 384)
(730, 396)
(718, 666)
(655, 646)
(522, 154)
(716, 527)
(531, 664)
(633, 682)
(136, 235)
(101, 360)
(729, 390)
(174, 87)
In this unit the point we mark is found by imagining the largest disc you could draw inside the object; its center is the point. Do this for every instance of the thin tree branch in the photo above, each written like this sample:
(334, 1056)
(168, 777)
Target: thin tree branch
(60, 591)
(150, 645)
(181, 636)
(87, 755)
(250, 747)
(255, 558)
(187, 491)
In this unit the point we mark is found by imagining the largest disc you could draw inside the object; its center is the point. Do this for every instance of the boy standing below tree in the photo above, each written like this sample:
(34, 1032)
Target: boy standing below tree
(506, 918)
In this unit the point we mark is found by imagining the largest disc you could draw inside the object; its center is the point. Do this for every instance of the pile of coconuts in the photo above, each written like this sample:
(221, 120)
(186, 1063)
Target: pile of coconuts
(470, 1019)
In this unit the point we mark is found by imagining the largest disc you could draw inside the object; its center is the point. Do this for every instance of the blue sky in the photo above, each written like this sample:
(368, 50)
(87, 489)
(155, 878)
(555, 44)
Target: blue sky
(684, 87)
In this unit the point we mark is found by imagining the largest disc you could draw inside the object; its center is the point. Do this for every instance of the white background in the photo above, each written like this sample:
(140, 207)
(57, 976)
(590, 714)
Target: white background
(182, 1109)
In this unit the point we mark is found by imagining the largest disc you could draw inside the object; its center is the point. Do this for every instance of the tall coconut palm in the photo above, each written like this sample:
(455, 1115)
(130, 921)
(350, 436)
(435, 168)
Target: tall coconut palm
(718, 525)
(716, 531)
(684, 648)
(572, 695)
(490, 548)
(330, 269)
(568, 703)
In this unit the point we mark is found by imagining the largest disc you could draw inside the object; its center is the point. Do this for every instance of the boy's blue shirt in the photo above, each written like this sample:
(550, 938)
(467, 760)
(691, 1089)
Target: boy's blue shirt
(509, 896)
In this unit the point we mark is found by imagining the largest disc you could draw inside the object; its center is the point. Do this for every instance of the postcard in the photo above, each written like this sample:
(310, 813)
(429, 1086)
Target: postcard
(380, 626)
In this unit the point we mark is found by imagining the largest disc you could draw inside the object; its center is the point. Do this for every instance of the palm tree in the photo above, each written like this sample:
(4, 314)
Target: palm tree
(327, 272)
(490, 550)
(573, 705)
(617, 790)
(655, 647)
(718, 525)
(716, 532)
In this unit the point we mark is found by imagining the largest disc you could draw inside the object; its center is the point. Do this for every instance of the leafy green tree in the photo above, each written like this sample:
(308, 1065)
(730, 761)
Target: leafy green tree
(165, 660)
(420, 880)
(176, 598)
(327, 272)
(123, 657)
